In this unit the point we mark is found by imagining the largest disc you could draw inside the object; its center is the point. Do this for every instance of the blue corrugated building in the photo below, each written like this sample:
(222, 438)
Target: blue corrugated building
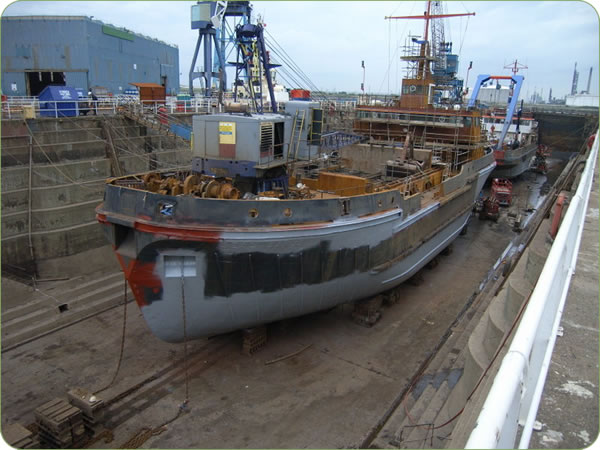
(83, 53)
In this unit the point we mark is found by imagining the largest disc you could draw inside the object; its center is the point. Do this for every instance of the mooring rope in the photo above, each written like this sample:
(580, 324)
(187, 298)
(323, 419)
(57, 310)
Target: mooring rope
(122, 339)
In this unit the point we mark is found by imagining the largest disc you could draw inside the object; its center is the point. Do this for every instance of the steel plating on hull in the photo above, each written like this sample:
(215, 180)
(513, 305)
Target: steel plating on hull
(236, 276)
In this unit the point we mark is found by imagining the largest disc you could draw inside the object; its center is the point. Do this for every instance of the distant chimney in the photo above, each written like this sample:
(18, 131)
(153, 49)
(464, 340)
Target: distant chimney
(575, 80)
(589, 81)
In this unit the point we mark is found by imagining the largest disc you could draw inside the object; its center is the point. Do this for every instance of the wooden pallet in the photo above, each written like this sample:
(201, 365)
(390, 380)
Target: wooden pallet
(60, 424)
(17, 436)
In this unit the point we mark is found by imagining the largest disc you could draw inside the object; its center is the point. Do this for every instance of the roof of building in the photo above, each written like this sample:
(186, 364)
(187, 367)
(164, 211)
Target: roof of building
(74, 18)
(151, 85)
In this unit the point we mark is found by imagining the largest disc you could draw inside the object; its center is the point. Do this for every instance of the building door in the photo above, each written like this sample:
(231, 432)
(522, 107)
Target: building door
(37, 81)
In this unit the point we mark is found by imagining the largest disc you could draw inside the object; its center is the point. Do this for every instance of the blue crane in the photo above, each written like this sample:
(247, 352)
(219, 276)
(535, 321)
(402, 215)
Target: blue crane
(516, 82)
(210, 19)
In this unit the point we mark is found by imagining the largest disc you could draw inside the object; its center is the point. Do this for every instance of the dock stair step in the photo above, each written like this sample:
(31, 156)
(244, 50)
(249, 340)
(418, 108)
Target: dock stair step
(63, 310)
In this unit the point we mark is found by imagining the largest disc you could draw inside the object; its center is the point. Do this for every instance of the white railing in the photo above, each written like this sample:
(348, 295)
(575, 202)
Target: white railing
(19, 107)
(517, 388)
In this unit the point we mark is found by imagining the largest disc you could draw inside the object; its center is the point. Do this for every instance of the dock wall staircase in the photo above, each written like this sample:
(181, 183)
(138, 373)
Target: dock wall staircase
(48, 204)
(66, 303)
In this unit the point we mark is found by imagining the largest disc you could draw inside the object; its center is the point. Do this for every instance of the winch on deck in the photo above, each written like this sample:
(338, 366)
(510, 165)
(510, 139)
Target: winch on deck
(255, 149)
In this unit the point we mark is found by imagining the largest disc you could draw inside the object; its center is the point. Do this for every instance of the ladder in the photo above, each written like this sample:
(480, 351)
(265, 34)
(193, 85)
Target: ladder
(297, 128)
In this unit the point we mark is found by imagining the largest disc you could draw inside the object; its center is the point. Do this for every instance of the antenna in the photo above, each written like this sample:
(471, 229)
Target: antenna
(362, 85)
(515, 66)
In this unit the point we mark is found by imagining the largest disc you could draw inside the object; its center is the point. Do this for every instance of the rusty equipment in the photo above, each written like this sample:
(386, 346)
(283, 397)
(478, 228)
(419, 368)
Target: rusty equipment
(200, 186)
(502, 191)
(490, 209)
(539, 162)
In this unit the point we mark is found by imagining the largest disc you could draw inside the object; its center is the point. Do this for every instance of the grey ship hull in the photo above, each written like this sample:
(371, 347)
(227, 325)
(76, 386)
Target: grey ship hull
(229, 273)
(512, 163)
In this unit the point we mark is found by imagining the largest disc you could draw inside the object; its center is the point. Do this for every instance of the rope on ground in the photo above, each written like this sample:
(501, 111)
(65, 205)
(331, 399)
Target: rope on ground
(146, 433)
(185, 358)
(122, 339)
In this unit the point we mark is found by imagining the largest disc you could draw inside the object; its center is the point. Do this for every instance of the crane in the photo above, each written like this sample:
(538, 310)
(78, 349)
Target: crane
(210, 19)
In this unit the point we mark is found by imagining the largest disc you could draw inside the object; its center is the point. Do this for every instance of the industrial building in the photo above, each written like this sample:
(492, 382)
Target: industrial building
(582, 100)
(83, 53)
(493, 95)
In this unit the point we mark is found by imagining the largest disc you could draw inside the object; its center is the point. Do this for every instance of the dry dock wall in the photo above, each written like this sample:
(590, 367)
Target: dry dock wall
(565, 132)
(71, 161)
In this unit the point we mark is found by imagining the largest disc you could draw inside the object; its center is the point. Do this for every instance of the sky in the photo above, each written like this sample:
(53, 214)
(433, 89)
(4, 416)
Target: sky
(329, 40)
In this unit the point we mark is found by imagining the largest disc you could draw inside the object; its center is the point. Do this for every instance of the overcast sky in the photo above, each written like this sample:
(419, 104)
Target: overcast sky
(328, 40)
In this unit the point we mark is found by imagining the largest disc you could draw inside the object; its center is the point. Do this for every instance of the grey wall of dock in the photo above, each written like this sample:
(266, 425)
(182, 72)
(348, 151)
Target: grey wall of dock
(70, 163)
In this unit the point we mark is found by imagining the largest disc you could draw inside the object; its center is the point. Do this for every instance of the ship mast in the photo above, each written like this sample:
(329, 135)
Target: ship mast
(415, 88)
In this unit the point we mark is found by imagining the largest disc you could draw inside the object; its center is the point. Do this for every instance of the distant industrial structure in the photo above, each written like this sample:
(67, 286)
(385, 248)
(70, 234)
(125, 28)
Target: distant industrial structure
(82, 53)
(583, 98)
(575, 80)
(576, 98)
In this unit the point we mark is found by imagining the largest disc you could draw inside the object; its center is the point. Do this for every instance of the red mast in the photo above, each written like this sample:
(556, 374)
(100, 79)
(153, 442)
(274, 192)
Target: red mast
(516, 66)
(427, 16)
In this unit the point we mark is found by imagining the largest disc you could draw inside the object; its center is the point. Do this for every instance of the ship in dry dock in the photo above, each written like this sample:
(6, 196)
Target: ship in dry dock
(512, 134)
(265, 226)
(514, 155)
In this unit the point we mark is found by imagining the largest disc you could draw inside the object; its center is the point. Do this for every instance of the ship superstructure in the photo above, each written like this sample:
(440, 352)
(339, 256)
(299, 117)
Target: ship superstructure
(429, 110)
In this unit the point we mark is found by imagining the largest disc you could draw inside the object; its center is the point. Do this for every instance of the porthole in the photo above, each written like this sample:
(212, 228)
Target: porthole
(287, 212)
(253, 213)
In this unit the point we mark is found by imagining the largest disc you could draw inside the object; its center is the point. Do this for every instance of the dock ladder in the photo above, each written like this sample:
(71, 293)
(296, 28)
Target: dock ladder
(297, 127)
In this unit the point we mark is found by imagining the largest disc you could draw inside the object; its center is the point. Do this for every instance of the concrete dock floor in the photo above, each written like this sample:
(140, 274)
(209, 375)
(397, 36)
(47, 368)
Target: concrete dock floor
(328, 396)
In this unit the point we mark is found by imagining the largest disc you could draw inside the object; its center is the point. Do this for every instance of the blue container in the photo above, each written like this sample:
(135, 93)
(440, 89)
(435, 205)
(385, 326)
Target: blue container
(59, 101)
